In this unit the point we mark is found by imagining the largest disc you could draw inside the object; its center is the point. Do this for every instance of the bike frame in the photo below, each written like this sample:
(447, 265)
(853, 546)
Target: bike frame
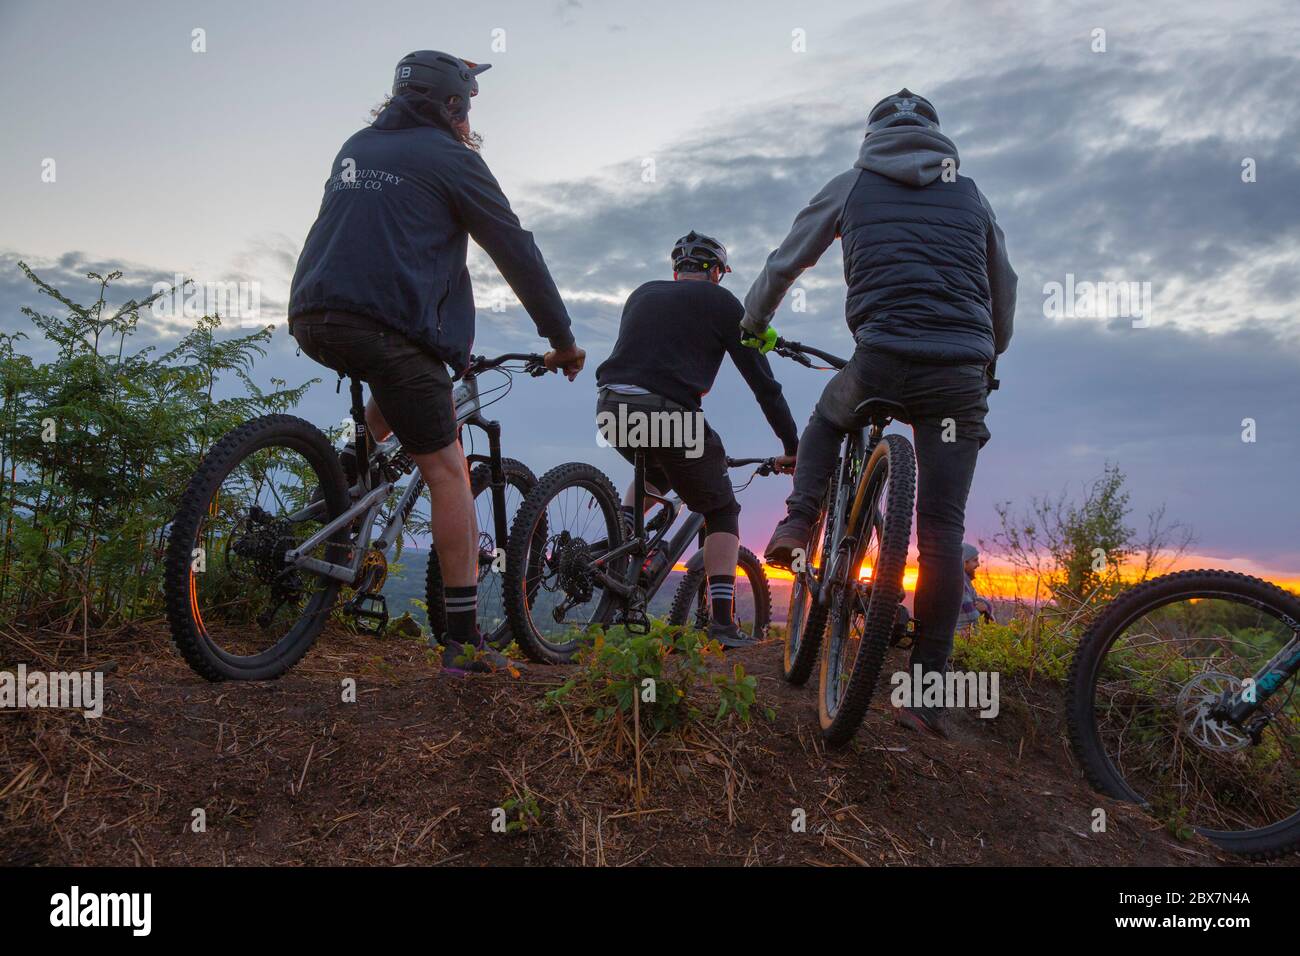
(639, 546)
(369, 500)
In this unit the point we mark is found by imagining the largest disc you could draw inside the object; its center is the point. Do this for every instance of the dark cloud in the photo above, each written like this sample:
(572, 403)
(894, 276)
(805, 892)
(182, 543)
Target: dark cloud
(1122, 167)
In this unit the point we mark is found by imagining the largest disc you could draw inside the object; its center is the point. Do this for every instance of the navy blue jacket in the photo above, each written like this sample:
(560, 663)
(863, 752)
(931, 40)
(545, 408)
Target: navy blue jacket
(924, 257)
(403, 198)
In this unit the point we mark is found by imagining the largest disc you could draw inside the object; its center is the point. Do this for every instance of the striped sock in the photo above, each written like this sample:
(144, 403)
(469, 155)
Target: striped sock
(462, 612)
(722, 595)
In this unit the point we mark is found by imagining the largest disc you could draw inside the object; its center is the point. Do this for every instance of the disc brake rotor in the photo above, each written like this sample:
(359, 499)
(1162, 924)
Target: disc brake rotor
(1196, 703)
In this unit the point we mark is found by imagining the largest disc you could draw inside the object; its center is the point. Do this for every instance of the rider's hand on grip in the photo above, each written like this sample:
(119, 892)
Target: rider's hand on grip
(784, 464)
(570, 361)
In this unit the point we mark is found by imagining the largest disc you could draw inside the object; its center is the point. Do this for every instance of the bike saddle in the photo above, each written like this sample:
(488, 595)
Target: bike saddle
(879, 411)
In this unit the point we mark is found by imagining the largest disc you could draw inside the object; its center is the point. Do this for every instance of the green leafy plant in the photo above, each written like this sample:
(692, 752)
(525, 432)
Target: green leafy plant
(658, 672)
(96, 444)
(523, 812)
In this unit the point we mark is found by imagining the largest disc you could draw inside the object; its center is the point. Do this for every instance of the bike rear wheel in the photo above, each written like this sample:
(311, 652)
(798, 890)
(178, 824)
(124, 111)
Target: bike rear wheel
(236, 609)
(492, 621)
(552, 597)
(806, 616)
(753, 602)
(863, 614)
(1142, 691)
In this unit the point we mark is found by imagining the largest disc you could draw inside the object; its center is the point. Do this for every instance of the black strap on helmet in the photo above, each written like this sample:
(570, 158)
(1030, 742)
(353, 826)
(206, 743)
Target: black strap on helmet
(438, 76)
(700, 250)
(903, 108)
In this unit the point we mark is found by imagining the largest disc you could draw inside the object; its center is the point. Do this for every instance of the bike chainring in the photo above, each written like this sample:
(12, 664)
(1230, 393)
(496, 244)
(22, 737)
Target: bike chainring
(373, 572)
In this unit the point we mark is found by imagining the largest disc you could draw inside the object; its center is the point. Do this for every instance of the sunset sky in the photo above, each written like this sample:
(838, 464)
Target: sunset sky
(1122, 165)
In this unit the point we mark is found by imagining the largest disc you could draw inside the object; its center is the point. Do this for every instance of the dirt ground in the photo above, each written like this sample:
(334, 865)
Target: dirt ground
(288, 773)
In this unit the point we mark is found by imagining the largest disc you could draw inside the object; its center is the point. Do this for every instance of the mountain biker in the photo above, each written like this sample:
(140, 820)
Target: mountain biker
(671, 341)
(382, 293)
(931, 295)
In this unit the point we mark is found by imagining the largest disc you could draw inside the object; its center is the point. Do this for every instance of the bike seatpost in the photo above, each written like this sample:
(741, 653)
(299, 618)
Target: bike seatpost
(359, 427)
(638, 493)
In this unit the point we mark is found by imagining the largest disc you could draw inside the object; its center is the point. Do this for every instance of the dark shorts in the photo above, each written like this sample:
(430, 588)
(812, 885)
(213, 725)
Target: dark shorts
(411, 387)
(702, 482)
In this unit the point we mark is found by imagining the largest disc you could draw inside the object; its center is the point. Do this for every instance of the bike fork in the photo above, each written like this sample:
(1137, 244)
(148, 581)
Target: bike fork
(1237, 708)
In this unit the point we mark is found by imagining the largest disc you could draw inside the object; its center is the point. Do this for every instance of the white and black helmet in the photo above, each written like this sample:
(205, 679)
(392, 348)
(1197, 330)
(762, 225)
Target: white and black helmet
(701, 251)
(903, 108)
(438, 76)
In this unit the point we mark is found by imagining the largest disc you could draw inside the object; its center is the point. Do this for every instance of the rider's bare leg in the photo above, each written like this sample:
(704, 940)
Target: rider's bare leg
(451, 514)
(721, 550)
(375, 422)
(629, 499)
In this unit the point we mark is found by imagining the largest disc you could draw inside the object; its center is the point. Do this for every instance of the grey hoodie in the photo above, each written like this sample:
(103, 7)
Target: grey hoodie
(911, 155)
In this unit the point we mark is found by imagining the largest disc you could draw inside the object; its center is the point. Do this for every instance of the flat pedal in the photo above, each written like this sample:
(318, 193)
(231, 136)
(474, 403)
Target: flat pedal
(904, 632)
(369, 611)
(635, 619)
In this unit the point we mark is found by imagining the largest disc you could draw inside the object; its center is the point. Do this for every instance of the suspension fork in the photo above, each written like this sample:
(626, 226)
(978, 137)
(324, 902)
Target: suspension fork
(497, 483)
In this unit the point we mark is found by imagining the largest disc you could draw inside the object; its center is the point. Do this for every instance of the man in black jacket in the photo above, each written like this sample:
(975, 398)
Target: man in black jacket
(382, 293)
(671, 341)
(930, 302)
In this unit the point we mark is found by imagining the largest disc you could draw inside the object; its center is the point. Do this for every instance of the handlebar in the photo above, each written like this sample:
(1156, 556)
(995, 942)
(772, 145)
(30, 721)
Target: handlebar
(534, 364)
(800, 352)
(766, 466)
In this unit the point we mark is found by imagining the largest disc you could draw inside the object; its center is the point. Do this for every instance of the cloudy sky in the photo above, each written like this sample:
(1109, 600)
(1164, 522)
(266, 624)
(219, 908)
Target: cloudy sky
(1122, 165)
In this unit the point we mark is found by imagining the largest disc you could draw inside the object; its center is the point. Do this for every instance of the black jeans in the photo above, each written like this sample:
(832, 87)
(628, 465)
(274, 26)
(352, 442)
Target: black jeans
(946, 405)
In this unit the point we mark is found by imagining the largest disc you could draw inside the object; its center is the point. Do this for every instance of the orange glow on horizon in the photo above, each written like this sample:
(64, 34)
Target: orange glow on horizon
(1006, 582)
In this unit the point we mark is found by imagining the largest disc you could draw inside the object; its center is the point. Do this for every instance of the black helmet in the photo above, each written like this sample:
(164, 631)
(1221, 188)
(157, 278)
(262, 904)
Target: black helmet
(436, 76)
(700, 250)
(904, 108)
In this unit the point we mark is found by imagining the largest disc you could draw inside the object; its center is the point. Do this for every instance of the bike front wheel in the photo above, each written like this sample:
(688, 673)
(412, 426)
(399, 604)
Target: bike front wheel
(492, 622)
(867, 586)
(236, 609)
(806, 616)
(1145, 694)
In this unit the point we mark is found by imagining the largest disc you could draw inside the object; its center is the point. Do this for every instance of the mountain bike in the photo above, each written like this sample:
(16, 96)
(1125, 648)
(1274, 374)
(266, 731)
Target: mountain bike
(269, 531)
(1182, 698)
(571, 563)
(846, 598)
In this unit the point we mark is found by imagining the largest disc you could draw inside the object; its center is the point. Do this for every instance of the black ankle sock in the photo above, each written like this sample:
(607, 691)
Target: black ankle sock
(462, 612)
(722, 595)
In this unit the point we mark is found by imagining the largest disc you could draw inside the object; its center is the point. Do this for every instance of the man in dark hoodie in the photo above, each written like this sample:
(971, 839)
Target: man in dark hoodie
(382, 293)
(931, 295)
